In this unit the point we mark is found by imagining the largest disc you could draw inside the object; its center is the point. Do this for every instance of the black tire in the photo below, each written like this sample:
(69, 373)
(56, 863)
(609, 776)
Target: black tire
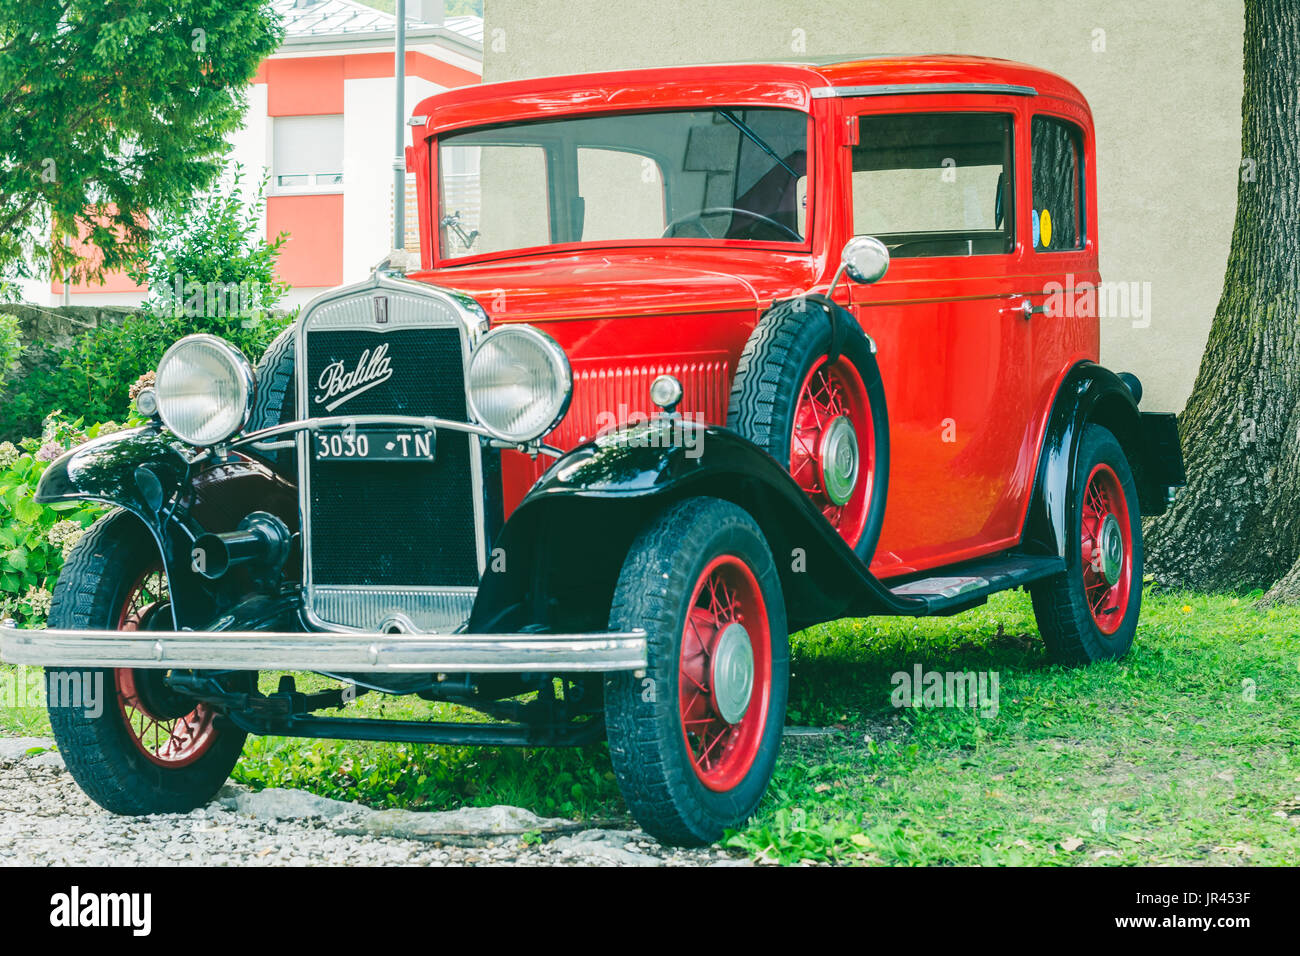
(1062, 606)
(652, 758)
(784, 348)
(276, 400)
(100, 750)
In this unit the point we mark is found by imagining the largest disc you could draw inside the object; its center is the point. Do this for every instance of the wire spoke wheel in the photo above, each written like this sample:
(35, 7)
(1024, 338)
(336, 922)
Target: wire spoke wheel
(725, 673)
(694, 737)
(832, 445)
(165, 736)
(1105, 539)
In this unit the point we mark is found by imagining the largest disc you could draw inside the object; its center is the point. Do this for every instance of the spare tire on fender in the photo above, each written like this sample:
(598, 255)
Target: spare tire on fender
(808, 392)
(275, 401)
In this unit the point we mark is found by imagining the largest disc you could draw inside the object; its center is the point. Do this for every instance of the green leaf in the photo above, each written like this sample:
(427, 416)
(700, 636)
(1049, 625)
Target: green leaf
(26, 510)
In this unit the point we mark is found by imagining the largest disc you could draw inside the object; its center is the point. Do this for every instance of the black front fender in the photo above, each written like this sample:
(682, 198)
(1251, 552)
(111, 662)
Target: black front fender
(138, 470)
(559, 555)
(147, 472)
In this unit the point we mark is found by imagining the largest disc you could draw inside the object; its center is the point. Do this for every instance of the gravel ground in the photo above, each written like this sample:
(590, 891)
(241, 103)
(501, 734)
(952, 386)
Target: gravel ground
(46, 820)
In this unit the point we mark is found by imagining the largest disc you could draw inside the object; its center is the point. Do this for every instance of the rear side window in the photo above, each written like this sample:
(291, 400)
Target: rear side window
(935, 184)
(1057, 160)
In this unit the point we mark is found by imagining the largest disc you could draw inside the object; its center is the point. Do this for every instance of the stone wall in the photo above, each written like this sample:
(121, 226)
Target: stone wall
(47, 331)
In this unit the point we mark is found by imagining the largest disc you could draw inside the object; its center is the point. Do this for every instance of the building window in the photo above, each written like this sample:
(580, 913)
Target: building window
(1057, 148)
(935, 184)
(308, 152)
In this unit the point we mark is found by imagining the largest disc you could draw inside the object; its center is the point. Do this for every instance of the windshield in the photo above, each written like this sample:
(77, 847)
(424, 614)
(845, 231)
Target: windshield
(698, 174)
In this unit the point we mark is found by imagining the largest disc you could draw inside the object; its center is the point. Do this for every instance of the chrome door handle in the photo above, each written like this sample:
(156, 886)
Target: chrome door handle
(1027, 310)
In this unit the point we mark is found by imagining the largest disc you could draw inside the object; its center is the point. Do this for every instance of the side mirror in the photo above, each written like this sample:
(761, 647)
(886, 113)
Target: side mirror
(865, 259)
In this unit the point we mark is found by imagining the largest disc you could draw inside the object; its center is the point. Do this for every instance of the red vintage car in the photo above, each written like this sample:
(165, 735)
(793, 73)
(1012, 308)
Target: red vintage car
(694, 357)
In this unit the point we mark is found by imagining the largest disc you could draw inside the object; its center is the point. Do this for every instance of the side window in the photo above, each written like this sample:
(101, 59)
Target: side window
(935, 184)
(1057, 160)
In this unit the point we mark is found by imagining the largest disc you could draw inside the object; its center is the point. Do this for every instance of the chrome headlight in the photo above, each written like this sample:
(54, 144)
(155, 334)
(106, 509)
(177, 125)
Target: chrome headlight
(205, 390)
(519, 383)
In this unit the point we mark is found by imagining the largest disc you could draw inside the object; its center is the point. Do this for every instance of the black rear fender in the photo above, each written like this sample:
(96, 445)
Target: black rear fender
(1091, 394)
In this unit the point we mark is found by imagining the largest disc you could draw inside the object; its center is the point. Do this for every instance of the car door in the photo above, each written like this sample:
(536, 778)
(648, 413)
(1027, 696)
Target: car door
(935, 178)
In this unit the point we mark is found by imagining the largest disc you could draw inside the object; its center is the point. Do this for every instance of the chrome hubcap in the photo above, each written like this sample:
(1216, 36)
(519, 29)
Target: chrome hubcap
(839, 460)
(733, 673)
(1112, 549)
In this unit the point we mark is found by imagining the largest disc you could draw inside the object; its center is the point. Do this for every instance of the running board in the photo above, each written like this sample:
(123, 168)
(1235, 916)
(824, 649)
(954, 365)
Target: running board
(968, 585)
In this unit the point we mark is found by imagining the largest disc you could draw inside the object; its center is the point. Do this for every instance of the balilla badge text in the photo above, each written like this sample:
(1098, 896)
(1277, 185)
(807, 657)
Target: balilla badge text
(337, 384)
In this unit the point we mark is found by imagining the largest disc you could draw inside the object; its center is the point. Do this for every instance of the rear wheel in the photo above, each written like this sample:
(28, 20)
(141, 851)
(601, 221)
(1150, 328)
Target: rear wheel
(132, 744)
(1090, 612)
(695, 740)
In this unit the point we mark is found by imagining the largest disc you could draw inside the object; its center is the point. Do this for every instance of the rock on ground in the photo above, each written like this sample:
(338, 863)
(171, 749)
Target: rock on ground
(45, 820)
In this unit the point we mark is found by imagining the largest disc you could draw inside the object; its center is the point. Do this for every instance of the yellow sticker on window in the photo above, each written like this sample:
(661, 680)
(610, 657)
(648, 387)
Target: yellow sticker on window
(1045, 228)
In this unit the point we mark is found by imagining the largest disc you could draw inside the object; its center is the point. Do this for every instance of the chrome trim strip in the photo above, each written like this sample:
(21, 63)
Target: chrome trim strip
(419, 610)
(343, 421)
(333, 653)
(947, 587)
(458, 311)
(894, 89)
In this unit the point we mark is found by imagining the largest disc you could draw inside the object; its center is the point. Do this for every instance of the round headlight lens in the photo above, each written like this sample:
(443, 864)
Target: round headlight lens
(519, 383)
(205, 389)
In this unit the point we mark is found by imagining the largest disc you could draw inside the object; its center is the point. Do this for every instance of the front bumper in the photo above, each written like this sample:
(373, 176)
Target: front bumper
(327, 651)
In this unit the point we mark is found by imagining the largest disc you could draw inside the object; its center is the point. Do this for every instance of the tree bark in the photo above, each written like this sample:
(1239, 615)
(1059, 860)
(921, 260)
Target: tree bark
(1237, 523)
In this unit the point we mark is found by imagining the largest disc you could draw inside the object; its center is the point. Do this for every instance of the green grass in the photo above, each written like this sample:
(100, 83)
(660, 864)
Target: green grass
(1183, 752)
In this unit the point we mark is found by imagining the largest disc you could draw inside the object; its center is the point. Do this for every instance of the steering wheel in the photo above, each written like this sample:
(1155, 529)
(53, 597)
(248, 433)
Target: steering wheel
(697, 218)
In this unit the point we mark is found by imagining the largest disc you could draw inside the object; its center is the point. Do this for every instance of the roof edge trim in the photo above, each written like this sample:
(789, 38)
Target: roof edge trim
(894, 89)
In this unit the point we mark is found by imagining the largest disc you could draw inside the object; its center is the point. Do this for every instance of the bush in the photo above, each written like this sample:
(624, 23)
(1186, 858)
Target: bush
(11, 345)
(36, 538)
(209, 269)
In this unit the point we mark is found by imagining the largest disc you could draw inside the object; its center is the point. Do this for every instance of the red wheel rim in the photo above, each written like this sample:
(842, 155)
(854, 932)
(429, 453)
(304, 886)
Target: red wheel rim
(1107, 549)
(830, 391)
(168, 742)
(722, 752)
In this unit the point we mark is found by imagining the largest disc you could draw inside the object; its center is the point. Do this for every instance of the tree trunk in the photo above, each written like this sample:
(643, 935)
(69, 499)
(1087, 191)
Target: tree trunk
(1237, 523)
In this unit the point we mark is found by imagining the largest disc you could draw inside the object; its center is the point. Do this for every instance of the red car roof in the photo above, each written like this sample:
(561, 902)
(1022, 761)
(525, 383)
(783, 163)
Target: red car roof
(792, 84)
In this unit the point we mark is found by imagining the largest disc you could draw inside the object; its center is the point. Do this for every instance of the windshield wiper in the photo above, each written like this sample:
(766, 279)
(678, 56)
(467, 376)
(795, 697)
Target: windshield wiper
(756, 140)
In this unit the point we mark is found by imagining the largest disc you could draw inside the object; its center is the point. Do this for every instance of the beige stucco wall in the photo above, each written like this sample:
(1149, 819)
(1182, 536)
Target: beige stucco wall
(1163, 78)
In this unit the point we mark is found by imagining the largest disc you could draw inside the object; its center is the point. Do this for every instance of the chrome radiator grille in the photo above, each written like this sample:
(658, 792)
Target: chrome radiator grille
(389, 543)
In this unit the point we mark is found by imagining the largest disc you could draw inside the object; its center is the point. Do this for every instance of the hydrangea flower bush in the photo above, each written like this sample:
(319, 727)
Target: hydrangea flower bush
(35, 539)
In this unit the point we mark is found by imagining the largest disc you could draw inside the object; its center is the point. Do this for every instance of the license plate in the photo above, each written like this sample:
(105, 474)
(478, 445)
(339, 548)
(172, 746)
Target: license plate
(376, 444)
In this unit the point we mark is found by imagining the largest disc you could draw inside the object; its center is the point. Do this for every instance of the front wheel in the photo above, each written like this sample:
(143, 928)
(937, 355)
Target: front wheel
(1090, 612)
(133, 744)
(694, 741)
